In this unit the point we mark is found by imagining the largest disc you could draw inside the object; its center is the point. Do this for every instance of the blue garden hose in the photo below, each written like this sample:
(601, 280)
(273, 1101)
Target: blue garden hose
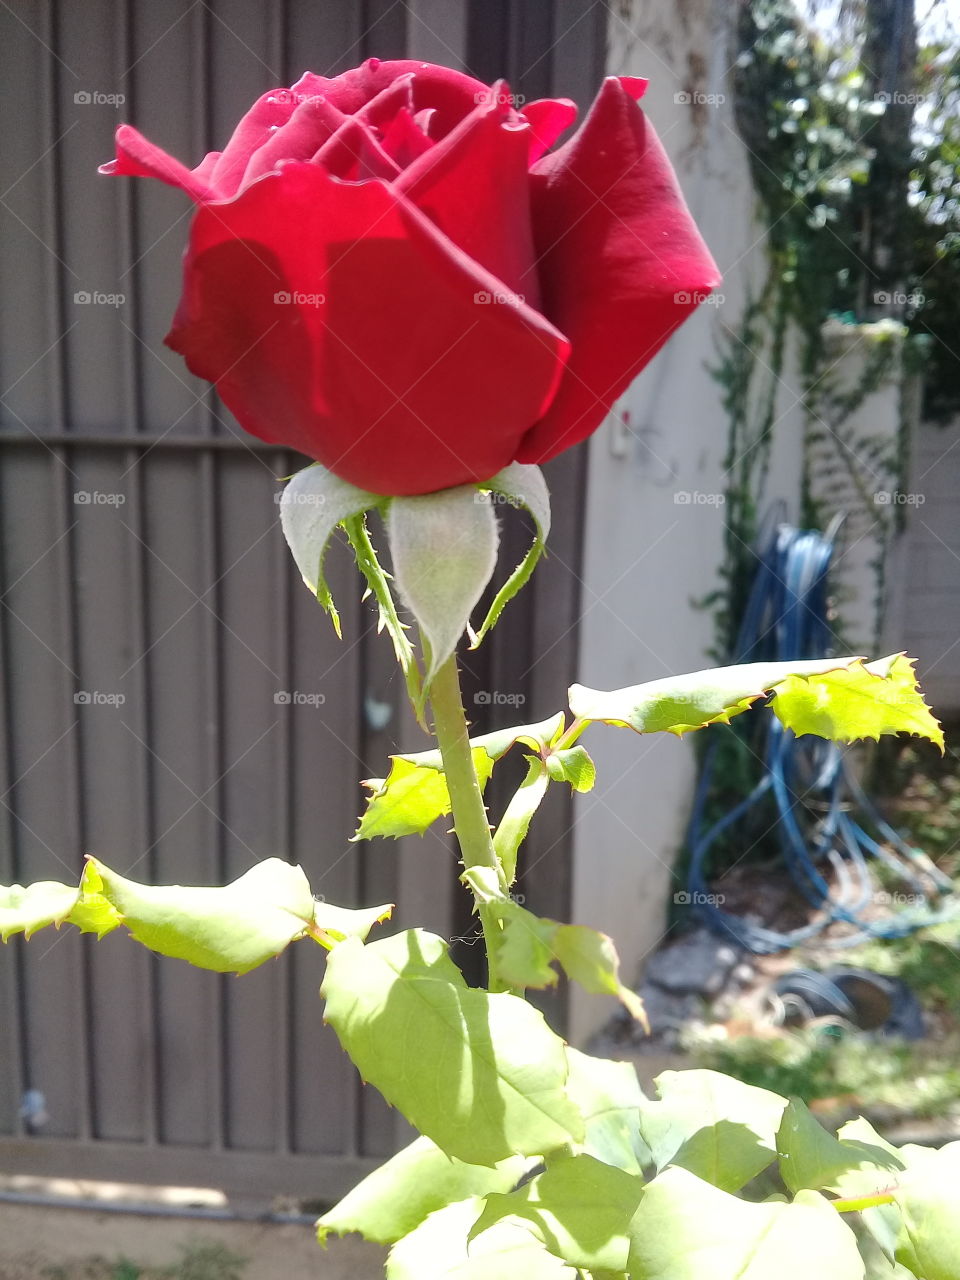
(786, 617)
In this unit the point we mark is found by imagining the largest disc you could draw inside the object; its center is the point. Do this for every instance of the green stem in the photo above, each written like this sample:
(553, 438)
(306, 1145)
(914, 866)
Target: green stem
(466, 799)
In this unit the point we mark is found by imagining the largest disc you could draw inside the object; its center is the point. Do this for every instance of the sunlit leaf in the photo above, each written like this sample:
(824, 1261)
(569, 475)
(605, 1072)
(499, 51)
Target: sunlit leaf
(515, 823)
(230, 929)
(529, 945)
(929, 1203)
(411, 798)
(712, 1125)
(26, 909)
(686, 1229)
(581, 1209)
(438, 1250)
(839, 698)
(481, 1075)
(414, 793)
(863, 701)
(813, 1159)
(609, 1095)
(416, 1182)
(573, 765)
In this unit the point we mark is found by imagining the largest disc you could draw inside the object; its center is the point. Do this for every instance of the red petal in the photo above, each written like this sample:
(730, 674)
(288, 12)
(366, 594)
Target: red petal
(451, 93)
(267, 114)
(621, 262)
(403, 140)
(548, 118)
(139, 158)
(399, 382)
(379, 111)
(313, 121)
(474, 184)
(353, 154)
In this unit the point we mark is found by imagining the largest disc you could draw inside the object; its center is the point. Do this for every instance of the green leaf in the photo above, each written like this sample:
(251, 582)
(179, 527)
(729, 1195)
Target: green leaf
(712, 1125)
(537, 737)
(528, 946)
(411, 798)
(686, 1229)
(378, 581)
(864, 701)
(609, 1095)
(813, 1159)
(580, 1208)
(515, 823)
(590, 958)
(230, 929)
(334, 924)
(573, 765)
(929, 1238)
(437, 1250)
(312, 504)
(414, 794)
(831, 697)
(481, 1075)
(522, 485)
(27, 909)
(420, 1179)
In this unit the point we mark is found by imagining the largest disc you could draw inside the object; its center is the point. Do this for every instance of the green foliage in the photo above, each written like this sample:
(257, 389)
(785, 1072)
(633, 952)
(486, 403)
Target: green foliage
(230, 930)
(414, 794)
(528, 946)
(481, 1075)
(839, 698)
(718, 1128)
(419, 1180)
(686, 1229)
(536, 1160)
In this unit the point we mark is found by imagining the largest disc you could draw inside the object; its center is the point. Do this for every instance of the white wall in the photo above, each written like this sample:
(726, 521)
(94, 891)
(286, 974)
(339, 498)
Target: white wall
(647, 557)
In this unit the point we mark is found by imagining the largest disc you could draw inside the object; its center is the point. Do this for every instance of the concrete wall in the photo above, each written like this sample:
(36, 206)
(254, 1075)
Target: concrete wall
(648, 553)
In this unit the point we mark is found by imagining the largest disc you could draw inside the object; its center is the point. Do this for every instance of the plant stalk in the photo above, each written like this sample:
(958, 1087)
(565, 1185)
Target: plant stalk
(466, 799)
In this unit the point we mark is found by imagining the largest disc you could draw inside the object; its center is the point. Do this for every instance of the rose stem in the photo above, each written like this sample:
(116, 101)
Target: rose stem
(466, 799)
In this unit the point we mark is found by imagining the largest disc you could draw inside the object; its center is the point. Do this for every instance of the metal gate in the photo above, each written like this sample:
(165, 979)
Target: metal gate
(153, 632)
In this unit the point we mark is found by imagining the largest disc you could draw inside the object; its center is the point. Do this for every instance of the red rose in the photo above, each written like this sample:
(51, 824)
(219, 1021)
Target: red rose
(390, 272)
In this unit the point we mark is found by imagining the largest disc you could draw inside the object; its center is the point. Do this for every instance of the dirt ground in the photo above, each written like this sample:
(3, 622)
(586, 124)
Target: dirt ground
(33, 1240)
